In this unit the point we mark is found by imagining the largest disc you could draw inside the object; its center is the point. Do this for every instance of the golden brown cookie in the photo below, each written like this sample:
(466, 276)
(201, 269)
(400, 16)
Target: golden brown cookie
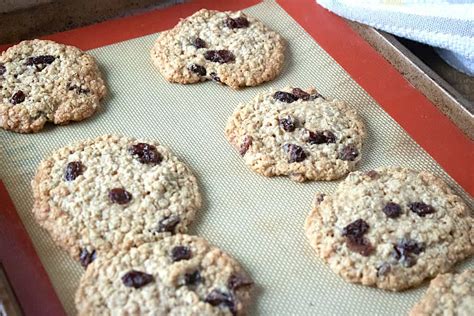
(179, 275)
(113, 192)
(391, 228)
(43, 81)
(297, 133)
(227, 47)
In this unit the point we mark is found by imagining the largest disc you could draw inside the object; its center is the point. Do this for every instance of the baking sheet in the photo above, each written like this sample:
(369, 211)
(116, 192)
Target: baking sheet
(257, 220)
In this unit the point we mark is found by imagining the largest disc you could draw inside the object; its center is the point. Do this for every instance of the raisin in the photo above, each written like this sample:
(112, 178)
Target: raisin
(383, 269)
(406, 246)
(87, 257)
(300, 94)
(421, 209)
(405, 249)
(3, 69)
(354, 233)
(360, 245)
(136, 279)
(296, 153)
(355, 229)
(168, 224)
(30, 61)
(246, 143)
(217, 297)
(349, 153)
(237, 23)
(120, 196)
(18, 97)
(73, 170)
(192, 278)
(392, 210)
(146, 153)
(78, 89)
(237, 281)
(179, 253)
(199, 43)
(214, 77)
(198, 69)
(288, 124)
(219, 56)
(322, 137)
(285, 97)
(43, 59)
(372, 174)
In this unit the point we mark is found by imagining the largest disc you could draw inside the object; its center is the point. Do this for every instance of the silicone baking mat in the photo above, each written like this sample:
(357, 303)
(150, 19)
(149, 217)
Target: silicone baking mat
(256, 219)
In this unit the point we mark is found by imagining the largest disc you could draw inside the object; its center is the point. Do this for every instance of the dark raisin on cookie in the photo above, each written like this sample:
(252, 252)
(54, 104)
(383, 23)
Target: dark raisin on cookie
(146, 153)
(193, 278)
(179, 253)
(285, 97)
(168, 224)
(136, 279)
(219, 56)
(120, 196)
(77, 89)
(355, 240)
(405, 250)
(349, 153)
(288, 124)
(43, 59)
(217, 297)
(245, 145)
(421, 209)
(18, 97)
(392, 210)
(3, 69)
(199, 43)
(300, 94)
(321, 137)
(73, 170)
(356, 229)
(237, 23)
(87, 257)
(296, 153)
(198, 69)
(237, 281)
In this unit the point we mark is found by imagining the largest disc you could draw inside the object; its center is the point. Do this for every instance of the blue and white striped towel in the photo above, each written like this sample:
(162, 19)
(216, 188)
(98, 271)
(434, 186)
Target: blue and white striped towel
(446, 25)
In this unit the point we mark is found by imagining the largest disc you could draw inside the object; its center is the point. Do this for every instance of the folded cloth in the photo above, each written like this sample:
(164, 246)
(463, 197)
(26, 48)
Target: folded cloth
(446, 25)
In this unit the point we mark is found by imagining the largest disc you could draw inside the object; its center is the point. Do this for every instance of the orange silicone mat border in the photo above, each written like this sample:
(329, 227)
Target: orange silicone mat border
(22, 266)
(427, 125)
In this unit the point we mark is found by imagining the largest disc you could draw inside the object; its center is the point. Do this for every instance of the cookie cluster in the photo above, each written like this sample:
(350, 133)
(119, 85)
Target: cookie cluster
(122, 206)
